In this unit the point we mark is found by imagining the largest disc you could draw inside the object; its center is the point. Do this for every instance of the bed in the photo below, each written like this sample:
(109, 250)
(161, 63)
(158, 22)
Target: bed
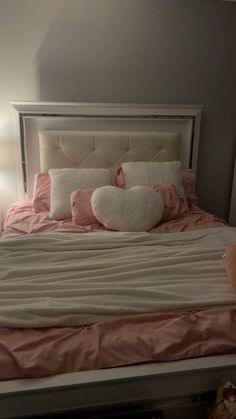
(101, 136)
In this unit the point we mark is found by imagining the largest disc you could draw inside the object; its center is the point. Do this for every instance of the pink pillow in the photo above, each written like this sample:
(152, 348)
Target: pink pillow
(41, 199)
(120, 181)
(81, 209)
(41, 196)
(189, 184)
(230, 263)
(174, 205)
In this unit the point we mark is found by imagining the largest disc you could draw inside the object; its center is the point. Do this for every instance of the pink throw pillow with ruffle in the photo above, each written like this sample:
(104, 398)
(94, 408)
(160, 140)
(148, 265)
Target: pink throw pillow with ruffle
(81, 209)
(41, 198)
(189, 184)
(174, 205)
(41, 195)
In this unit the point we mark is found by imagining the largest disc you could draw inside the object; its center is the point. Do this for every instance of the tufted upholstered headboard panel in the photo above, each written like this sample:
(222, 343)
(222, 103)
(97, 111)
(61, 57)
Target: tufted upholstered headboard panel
(57, 134)
(104, 148)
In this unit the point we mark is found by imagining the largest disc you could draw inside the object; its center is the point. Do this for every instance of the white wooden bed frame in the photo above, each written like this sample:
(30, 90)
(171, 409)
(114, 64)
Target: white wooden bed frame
(137, 384)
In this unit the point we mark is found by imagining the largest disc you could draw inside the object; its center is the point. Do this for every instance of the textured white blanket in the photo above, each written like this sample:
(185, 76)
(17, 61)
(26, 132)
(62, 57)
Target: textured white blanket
(61, 279)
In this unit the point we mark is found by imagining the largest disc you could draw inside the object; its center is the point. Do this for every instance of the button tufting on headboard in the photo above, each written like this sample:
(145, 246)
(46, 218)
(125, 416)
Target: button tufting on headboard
(104, 149)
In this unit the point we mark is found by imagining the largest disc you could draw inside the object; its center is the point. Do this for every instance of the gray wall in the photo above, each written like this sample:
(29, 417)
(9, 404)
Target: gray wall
(140, 51)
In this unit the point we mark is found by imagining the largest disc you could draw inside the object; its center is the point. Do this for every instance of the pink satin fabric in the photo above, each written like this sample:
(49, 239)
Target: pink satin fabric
(195, 219)
(147, 338)
(81, 208)
(175, 206)
(21, 219)
(42, 187)
(189, 184)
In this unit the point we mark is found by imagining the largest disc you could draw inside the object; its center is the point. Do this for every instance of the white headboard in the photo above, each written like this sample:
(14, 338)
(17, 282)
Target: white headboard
(104, 135)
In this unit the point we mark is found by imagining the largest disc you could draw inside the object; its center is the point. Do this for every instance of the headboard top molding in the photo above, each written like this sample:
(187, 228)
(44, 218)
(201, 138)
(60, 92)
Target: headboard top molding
(91, 109)
(35, 117)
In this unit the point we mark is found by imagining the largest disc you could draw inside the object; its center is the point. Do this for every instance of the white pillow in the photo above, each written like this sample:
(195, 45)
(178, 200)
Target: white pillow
(65, 181)
(137, 209)
(153, 173)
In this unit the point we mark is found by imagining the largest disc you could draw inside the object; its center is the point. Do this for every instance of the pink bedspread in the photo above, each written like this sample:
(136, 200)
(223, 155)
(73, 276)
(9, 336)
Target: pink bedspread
(134, 340)
(138, 339)
(21, 219)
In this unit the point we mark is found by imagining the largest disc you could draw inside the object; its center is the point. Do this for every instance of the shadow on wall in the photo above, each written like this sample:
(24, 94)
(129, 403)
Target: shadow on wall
(151, 52)
(101, 52)
(11, 182)
(7, 174)
(126, 51)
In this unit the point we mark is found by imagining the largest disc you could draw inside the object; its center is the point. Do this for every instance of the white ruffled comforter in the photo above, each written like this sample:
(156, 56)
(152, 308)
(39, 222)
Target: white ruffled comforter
(57, 279)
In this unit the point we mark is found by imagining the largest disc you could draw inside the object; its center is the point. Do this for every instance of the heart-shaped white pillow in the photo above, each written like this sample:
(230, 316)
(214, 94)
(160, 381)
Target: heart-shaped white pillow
(135, 209)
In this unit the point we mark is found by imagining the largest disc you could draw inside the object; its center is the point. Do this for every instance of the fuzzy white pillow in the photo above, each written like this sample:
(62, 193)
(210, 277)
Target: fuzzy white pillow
(153, 173)
(137, 209)
(65, 181)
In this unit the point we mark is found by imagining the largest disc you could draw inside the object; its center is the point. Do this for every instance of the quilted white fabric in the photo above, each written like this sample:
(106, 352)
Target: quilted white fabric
(153, 173)
(137, 209)
(65, 181)
(85, 278)
(106, 149)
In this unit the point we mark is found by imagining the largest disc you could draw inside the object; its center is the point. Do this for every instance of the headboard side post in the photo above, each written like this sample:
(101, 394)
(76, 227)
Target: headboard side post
(196, 140)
